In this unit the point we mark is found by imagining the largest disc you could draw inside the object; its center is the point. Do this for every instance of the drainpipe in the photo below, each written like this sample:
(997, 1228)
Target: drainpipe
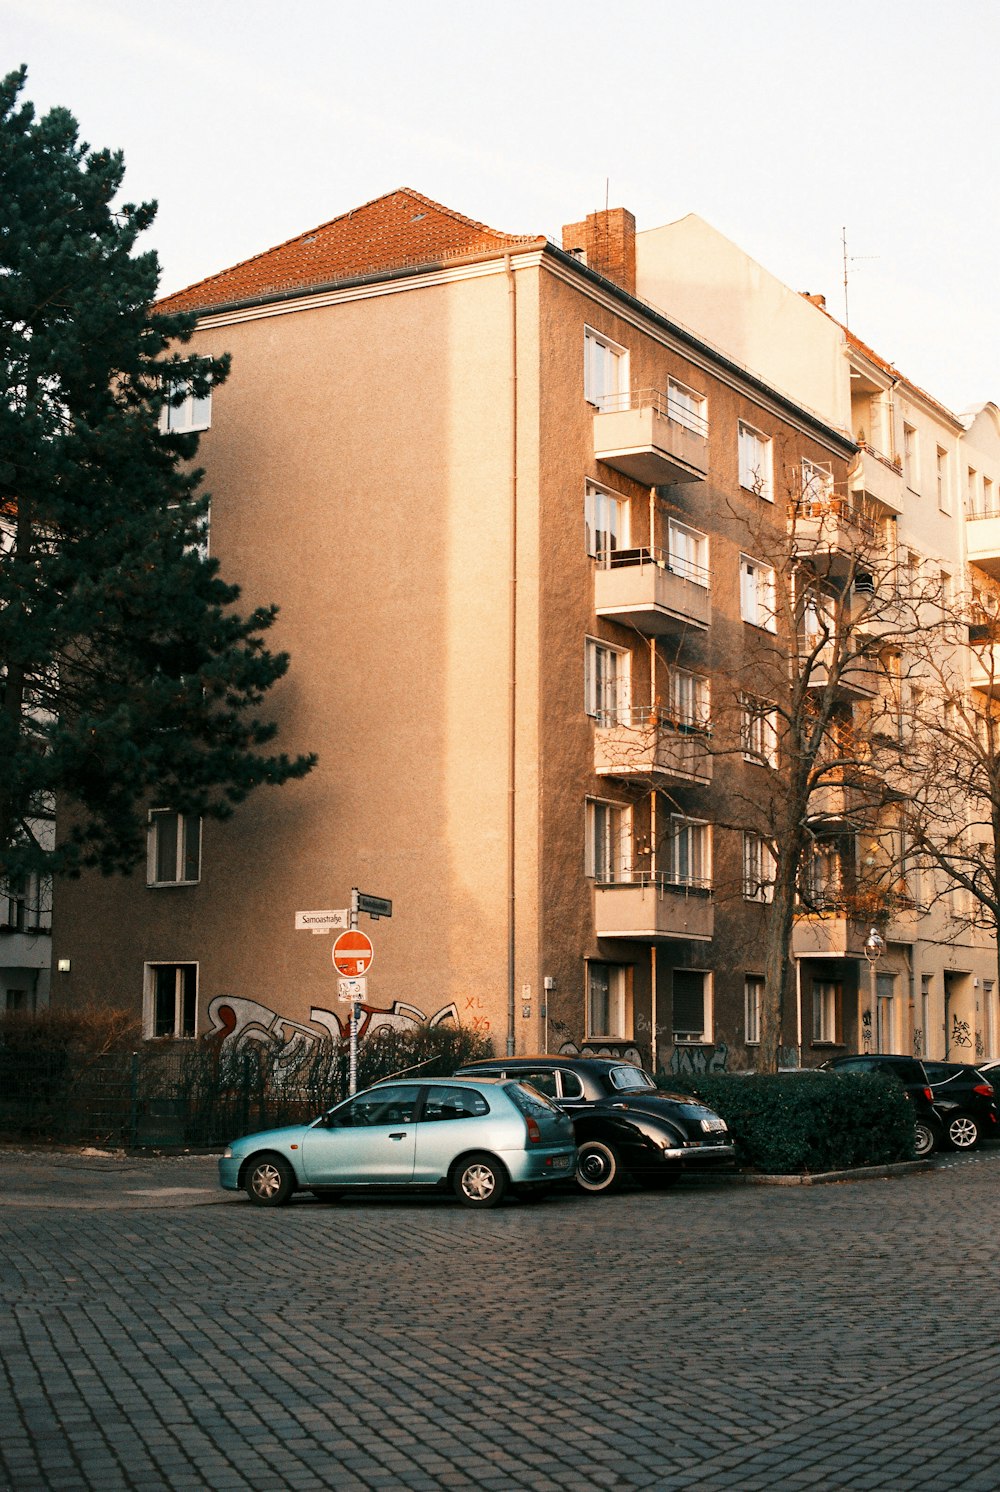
(512, 667)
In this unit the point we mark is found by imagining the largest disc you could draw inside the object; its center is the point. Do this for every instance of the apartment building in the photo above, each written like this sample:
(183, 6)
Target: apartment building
(926, 478)
(524, 508)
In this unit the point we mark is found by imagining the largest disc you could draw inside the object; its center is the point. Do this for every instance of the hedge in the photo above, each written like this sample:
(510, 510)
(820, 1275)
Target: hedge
(808, 1121)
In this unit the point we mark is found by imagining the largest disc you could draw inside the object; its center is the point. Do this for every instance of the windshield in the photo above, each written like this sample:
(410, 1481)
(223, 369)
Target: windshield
(621, 1078)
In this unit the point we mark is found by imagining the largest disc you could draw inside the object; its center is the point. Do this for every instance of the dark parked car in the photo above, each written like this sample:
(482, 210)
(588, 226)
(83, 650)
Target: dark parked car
(624, 1124)
(475, 1138)
(964, 1097)
(910, 1072)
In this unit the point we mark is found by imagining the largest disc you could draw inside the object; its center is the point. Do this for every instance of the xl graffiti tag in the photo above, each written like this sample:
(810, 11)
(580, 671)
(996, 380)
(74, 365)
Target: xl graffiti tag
(240, 1022)
(694, 1061)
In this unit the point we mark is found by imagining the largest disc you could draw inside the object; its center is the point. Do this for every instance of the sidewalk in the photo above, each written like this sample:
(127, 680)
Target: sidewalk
(90, 1178)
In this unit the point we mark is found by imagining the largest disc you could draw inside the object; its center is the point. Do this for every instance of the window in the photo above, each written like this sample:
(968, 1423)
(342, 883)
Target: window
(759, 731)
(605, 521)
(757, 605)
(885, 989)
(173, 848)
(606, 683)
(826, 1003)
(605, 371)
(911, 464)
(609, 841)
(606, 1002)
(690, 852)
(758, 868)
(689, 700)
(389, 1105)
(687, 552)
(753, 999)
(444, 1102)
(171, 1000)
(686, 408)
(691, 1015)
(817, 487)
(191, 414)
(972, 506)
(26, 903)
(821, 881)
(755, 462)
(943, 488)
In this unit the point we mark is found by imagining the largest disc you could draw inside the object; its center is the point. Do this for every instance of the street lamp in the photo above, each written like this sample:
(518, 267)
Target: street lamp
(874, 949)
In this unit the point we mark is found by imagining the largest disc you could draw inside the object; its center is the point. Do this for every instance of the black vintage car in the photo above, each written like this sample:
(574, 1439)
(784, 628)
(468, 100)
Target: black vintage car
(624, 1124)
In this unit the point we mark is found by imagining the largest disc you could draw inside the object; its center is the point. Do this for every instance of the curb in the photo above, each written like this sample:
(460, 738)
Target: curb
(826, 1178)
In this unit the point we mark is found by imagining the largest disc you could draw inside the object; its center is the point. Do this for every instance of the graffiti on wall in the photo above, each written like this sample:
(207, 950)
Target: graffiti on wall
(239, 1022)
(960, 1032)
(695, 1061)
(626, 1053)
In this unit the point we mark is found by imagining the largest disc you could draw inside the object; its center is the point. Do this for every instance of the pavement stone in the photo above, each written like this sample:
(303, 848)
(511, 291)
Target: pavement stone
(158, 1333)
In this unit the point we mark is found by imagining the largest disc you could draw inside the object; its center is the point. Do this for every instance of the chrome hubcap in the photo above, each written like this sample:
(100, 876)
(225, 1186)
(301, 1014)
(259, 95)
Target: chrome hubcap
(266, 1181)
(479, 1182)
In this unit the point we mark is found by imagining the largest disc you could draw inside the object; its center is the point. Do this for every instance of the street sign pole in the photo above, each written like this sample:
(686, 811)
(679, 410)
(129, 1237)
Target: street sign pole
(352, 1081)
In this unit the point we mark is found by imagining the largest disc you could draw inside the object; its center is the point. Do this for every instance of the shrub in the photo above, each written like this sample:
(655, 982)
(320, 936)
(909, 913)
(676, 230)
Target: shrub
(809, 1121)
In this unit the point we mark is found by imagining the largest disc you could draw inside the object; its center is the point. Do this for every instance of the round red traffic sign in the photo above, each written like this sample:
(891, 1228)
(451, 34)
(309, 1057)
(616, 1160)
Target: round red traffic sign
(352, 953)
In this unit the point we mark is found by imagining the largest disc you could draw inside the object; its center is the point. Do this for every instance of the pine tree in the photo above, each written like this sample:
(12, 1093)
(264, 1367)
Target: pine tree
(127, 677)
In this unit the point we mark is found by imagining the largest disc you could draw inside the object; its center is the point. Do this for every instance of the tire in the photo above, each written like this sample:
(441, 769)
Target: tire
(962, 1132)
(597, 1167)
(269, 1181)
(925, 1139)
(479, 1181)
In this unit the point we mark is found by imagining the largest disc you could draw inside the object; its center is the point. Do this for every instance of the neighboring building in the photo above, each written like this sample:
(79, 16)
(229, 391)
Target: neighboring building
(522, 527)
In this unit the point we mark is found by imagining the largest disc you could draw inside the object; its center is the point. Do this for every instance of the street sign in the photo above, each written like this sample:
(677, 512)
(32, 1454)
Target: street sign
(352, 953)
(321, 922)
(375, 906)
(350, 990)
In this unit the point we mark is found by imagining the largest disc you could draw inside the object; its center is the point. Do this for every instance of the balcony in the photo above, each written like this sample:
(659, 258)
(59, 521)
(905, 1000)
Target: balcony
(984, 662)
(982, 537)
(830, 533)
(877, 479)
(649, 743)
(828, 935)
(645, 588)
(647, 906)
(648, 437)
(858, 677)
(837, 802)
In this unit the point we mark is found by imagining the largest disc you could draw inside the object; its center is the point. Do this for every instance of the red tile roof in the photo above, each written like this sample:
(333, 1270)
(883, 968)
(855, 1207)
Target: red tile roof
(397, 231)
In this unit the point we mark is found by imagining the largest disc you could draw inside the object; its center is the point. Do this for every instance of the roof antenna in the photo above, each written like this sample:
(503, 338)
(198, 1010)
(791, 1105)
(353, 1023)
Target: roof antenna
(848, 260)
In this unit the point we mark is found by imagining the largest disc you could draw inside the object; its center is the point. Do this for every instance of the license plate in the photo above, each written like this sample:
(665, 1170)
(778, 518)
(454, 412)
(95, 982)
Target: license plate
(561, 1163)
(714, 1126)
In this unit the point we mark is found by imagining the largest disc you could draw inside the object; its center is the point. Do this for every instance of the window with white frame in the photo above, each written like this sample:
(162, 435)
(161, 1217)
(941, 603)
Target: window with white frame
(753, 1001)
(972, 506)
(606, 522)
(885, 991)
(689, 700)
(609, 841)
(184, 412)
(757, 601)
(943, 481)
(687, 550)
(170, 1001)
(605, 371)
(27, 901)
(758, 868)
(690, 852)
(817, 487)
(606, 683)
(827, 998)
(606, 1002)
(988, 508)
(173, 848)
(758, 731)
(692, 1014)
(756, 473)
(911, 458)
(686, 408)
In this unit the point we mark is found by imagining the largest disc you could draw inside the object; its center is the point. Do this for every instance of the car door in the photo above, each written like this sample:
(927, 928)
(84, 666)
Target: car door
(370, 1140)
(455, 1119)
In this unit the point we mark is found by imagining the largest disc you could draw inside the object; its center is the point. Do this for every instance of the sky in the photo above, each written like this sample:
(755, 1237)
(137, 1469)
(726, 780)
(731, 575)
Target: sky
(784, 123)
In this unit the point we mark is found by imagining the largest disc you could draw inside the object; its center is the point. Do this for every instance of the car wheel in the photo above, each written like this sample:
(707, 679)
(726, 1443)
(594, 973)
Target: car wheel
(480, 1181)
(962, 1131)
(597, 1168)
(925, 1140)
(269, 1181)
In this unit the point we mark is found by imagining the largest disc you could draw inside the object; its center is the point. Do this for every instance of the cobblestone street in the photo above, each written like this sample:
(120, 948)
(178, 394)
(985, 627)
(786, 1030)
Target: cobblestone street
(158, 1333)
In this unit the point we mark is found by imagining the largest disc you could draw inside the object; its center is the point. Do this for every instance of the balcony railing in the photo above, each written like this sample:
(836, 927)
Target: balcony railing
(652, 741)
(829, 531)
(647, 904)
(651, 437)
(878, 478)
(652, 590)
(982, 535)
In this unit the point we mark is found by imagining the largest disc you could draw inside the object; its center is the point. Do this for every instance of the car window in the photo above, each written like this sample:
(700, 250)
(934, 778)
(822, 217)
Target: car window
(570, 1083)
(388, 1105)
(940, 1072)
(453, 1103)
(530, 1101)
(629, 1077)
(544, 1080)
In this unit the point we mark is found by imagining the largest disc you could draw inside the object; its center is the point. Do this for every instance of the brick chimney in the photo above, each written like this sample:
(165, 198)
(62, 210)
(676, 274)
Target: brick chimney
(607, 242)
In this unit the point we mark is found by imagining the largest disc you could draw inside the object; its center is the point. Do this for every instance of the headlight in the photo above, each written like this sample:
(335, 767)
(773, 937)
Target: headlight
(227, 1154)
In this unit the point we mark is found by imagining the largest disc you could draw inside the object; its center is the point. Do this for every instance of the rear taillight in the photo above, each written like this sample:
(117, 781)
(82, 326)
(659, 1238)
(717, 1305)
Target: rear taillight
(534, 1133)
(985, 1090)
(928, 1095)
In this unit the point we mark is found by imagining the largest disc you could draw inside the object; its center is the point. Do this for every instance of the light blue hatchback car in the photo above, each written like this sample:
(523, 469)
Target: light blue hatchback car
(477, 1137)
